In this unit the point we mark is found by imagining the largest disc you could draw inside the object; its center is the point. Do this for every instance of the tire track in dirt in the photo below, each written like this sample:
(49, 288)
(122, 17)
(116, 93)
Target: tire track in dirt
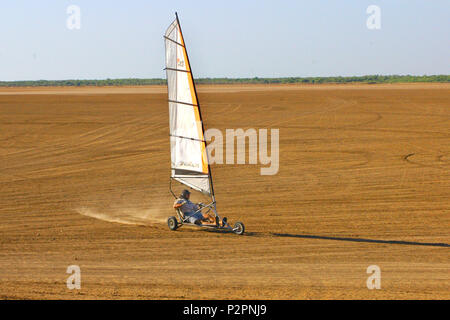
(335, 206)
(106, 136)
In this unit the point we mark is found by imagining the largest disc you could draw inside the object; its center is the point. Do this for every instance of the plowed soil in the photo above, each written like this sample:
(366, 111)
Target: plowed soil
(364, 179)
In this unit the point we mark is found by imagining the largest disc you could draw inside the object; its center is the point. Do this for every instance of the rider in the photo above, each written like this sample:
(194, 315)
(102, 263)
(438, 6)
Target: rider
(190, 209)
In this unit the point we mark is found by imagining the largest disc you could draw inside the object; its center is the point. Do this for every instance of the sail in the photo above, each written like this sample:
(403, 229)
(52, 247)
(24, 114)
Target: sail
(189, 160)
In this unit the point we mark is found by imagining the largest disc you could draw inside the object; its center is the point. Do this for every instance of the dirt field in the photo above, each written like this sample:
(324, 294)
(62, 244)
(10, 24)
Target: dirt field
(364, 179)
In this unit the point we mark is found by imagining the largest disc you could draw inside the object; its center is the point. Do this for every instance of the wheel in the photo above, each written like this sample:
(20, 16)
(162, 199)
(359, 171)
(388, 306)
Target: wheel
(239, 228)
(172, 223)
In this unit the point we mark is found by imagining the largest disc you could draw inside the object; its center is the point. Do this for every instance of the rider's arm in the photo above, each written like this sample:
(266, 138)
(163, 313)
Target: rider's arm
(178, 204)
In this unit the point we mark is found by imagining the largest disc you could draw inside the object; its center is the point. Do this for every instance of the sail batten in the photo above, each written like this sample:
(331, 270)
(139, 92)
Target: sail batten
(189, 160)
(172, 135)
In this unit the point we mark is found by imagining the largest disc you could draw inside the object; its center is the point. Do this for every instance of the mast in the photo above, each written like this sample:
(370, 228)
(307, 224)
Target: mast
(199, 111)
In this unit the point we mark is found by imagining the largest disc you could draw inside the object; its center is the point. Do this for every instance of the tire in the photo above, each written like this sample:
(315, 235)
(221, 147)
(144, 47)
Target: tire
(172, 223)
(239, 228)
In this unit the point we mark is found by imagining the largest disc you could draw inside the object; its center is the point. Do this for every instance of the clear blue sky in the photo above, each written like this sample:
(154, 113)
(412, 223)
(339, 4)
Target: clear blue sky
(123, 39)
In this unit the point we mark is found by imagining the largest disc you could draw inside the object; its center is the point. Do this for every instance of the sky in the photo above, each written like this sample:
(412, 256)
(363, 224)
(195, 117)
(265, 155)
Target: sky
(254, 38)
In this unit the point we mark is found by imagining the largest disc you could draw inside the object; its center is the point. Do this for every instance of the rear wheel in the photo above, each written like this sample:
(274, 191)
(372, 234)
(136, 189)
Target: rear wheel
(239, 228)
(172, 223)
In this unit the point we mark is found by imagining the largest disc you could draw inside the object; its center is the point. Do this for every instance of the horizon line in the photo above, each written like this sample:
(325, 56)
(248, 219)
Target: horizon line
(240, 78)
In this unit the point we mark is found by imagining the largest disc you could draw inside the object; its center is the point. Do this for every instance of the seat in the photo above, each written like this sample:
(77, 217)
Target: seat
(181, 215)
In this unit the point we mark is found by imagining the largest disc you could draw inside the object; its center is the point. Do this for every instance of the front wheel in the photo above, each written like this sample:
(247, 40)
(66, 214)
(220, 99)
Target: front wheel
(172, 223)
(239, 228)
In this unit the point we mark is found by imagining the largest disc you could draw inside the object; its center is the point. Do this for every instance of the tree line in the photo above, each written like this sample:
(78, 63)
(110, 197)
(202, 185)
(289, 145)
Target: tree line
(370, 79)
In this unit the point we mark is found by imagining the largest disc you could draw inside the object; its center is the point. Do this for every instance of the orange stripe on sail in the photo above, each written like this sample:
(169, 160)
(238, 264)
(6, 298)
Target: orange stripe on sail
(194, 101)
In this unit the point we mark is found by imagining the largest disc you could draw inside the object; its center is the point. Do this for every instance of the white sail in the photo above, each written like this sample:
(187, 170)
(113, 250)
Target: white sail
(187, 143)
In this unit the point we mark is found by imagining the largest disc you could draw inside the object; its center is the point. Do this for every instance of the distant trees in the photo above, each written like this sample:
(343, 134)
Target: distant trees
(307, 80)
(339, 79)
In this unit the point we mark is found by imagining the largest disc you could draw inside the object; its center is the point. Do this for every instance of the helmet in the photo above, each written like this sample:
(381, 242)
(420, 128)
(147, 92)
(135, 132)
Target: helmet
(185, 193)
